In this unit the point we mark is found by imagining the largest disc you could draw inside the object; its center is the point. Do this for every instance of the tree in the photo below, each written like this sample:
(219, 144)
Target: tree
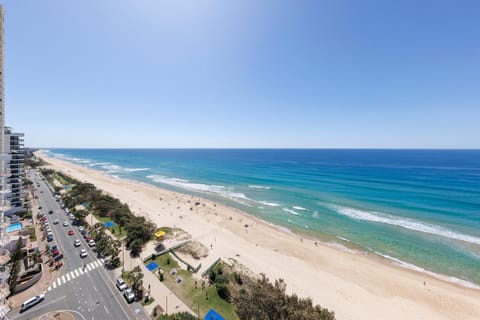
(15, 260)
(223, 291)
(136, 276)
(264, 300)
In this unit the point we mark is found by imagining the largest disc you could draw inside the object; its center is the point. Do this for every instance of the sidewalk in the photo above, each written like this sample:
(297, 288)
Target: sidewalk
(47, 276)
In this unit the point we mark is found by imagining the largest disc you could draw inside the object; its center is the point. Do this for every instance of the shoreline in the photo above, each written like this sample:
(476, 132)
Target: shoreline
(358, 285)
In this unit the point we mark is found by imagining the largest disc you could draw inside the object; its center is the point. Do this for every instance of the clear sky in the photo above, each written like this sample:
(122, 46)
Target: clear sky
(245, 73)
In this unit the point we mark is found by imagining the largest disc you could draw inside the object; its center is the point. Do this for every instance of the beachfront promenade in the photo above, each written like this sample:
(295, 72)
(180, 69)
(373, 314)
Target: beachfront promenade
(163, 296)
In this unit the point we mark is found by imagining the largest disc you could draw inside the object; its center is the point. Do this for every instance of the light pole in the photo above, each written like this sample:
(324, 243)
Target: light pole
(123, 260)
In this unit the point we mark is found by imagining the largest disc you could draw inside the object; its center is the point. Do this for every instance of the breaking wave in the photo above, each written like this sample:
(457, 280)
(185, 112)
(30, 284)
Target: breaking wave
(198, 187)
(414, 225)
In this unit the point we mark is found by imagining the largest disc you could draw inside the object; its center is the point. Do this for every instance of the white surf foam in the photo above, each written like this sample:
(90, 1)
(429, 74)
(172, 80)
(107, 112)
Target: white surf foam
(135, 169)
(268, 203)
(259, 187)
(379, 217)
(342, 238)
(113, 168)
(291, 211)
(413, 267)
(315, 214)
(198, 187)
(99, 164)
(300, 208)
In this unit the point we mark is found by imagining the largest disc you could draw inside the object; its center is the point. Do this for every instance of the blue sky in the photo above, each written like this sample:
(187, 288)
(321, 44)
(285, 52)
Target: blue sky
(151, 73)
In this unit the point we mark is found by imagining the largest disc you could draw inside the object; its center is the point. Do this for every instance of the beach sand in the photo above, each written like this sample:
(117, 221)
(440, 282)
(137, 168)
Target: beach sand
(354, 285)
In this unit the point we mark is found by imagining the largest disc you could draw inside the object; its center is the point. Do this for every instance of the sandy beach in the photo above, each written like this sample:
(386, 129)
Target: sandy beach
(354, 285)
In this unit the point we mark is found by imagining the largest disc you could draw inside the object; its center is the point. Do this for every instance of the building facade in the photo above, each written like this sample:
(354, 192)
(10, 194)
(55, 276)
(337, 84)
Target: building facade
(14, 148)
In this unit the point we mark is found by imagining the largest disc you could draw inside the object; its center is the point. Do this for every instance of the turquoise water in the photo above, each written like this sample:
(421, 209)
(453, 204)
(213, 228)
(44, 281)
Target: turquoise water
(14, 227)
(420, 208)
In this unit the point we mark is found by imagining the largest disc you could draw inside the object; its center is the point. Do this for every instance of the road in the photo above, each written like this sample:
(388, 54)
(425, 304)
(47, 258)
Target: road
(91, 292)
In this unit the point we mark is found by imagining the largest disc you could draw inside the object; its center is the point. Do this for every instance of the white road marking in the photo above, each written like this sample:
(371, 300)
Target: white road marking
(95, 288)
(72, 274)
(106, 310)
(76, 273)
(68, 277)
(63, 279)
(54, 284)
(96, 264)
(89, 268)
(81, 271)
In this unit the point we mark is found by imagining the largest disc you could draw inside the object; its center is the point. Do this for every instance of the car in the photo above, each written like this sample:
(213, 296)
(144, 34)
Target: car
(129, 295)
(91, 243)
(121, 285)
(31, 302)
(55, 252)
(77, 243)
(81, 228)
(83, 253)
(48, 229)
(40, 207)
(46, 224)
(70, 233)
(55, 221)
(50, 211)
(65, 224)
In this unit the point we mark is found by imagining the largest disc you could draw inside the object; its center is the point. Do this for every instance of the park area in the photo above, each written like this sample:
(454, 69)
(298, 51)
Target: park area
(197, 293)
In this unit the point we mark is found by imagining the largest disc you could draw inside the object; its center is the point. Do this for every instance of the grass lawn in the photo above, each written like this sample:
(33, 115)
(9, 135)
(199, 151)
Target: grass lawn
(192, 294)
(59, 178)
(114, 230)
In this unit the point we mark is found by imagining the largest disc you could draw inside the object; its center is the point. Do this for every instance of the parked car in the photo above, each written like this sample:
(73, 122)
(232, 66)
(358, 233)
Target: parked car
(91, 243)
(40, 208)
(81, 229)
(65, 224)
(70, 233)
(50, 211)
(31, 302)
(58, 257)
(121, 285)
(52, 247)
(49, 238)
(55, 252)
(77, 243)
(48, 229)
(129, 295)
(83, 253)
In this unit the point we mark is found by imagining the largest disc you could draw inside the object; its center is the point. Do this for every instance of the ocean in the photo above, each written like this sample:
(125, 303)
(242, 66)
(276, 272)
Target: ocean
(418, 208)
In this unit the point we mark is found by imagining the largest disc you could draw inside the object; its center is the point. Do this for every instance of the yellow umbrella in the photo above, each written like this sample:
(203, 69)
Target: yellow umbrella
(159, 234)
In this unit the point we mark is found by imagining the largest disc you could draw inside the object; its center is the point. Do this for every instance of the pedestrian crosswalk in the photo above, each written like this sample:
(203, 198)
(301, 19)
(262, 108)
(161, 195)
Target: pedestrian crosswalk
(75, 273)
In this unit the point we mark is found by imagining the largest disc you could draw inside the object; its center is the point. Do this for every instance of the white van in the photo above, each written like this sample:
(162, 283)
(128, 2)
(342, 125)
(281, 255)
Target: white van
(31, 302)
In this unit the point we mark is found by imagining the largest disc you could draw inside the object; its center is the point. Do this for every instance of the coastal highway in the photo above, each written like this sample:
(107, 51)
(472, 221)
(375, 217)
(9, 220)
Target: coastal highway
(90, 292)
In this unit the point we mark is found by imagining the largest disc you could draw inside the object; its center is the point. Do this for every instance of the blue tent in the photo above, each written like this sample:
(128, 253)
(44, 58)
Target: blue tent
(213, 315)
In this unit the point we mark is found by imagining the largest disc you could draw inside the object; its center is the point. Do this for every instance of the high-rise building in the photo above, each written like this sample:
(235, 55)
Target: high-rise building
(4, 186)
(14, 148)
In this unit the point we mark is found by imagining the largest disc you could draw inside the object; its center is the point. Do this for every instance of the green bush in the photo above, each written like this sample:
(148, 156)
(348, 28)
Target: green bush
(223, 291)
